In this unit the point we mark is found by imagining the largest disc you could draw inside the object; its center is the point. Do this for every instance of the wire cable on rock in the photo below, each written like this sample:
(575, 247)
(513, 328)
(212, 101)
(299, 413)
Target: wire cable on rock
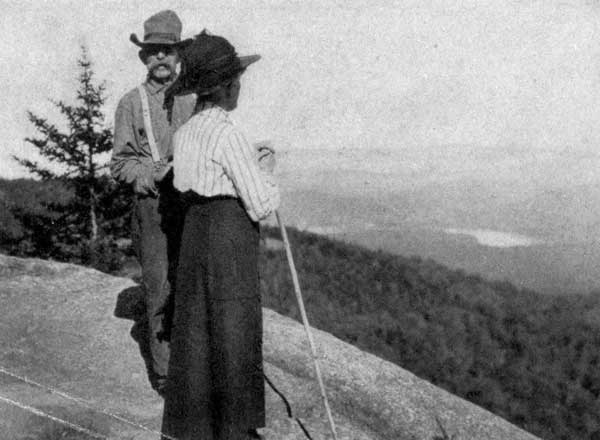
(78, 400)
(40, 413)
(90, 406)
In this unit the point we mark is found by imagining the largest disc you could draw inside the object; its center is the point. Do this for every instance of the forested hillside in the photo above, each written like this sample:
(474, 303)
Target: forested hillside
(46, 220)
(530, 358)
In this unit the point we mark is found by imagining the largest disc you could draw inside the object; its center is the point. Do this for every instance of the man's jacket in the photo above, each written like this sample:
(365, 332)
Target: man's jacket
(131, 156)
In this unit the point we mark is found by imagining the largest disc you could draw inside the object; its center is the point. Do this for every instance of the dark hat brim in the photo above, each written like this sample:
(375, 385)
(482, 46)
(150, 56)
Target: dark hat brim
(245, 61)
(179, 88)
(182, 43)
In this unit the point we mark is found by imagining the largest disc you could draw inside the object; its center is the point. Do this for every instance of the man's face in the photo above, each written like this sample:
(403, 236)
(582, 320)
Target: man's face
(161, 61)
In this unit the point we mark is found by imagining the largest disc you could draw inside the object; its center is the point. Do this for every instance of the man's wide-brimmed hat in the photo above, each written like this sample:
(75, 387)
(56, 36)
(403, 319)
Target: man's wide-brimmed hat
(163, 28)
(208, 63)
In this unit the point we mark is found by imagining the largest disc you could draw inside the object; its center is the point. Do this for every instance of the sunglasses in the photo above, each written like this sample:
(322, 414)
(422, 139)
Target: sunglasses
(155, 49)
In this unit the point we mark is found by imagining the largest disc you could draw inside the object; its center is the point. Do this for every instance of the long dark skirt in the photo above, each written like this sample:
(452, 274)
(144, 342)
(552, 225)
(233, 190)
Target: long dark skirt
(215, 388)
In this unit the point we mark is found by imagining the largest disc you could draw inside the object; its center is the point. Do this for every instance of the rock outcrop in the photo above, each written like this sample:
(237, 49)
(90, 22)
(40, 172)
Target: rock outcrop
(58, 329)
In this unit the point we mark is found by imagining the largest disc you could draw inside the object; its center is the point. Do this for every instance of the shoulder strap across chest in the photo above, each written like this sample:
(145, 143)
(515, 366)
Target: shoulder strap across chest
(148, 124)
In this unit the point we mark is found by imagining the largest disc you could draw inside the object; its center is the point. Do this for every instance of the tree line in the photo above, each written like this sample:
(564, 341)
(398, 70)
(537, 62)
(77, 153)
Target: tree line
(527, 357)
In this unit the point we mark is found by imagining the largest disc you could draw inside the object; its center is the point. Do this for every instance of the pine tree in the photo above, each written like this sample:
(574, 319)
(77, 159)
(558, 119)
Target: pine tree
(77, 150)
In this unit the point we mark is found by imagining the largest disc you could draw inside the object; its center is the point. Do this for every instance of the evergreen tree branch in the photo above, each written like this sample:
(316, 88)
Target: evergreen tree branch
(77, 149)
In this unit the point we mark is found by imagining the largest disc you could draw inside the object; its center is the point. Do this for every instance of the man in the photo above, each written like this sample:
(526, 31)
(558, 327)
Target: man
(141, 158)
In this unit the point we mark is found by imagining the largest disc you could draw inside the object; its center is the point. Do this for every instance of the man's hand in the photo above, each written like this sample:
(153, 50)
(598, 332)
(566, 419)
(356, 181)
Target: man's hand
(161, 171)
(266, 156)
(144, 186)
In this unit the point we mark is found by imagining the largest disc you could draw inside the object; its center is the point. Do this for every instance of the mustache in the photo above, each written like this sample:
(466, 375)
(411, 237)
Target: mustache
(161, 64)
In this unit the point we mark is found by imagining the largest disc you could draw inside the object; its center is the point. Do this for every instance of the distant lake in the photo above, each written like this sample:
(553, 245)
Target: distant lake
(327, 230)
(488, 237)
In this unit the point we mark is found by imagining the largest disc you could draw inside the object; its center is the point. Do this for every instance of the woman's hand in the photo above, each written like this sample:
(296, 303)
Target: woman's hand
(266, 156)
(267, 162)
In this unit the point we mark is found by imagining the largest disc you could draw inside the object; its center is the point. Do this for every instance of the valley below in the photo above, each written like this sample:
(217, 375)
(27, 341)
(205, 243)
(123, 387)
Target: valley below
(539, 234)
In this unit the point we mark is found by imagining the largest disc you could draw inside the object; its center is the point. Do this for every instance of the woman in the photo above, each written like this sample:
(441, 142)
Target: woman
(215, 388)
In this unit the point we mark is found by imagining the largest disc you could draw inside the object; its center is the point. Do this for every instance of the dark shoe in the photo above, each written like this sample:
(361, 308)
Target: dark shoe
(131, 303)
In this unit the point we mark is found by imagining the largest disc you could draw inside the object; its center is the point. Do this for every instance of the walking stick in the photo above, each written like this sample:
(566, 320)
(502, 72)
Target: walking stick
(290, 259)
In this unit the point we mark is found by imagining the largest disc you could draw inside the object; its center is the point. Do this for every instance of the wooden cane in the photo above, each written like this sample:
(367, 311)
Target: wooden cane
(311, 343)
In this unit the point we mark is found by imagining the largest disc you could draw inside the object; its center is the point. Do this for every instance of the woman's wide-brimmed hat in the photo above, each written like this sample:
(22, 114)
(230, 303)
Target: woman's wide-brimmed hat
(207, 63)
(163, 28)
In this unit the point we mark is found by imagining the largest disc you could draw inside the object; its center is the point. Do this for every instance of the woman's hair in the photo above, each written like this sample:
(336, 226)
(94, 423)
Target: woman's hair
(213, 95)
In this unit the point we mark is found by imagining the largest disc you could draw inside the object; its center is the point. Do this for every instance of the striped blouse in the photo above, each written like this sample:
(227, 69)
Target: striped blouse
(213, 158)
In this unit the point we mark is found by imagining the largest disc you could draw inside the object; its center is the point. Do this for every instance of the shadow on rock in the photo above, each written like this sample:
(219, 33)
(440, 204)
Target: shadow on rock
(130, 303)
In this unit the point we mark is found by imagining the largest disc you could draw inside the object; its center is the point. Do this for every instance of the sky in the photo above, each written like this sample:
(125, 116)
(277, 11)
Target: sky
(477, 87)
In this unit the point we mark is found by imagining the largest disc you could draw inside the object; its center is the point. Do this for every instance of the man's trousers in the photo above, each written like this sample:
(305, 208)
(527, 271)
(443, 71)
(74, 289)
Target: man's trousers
(156, 232)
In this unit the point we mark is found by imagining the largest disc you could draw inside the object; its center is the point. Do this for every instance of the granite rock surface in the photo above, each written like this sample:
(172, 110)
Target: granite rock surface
(58, 331)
